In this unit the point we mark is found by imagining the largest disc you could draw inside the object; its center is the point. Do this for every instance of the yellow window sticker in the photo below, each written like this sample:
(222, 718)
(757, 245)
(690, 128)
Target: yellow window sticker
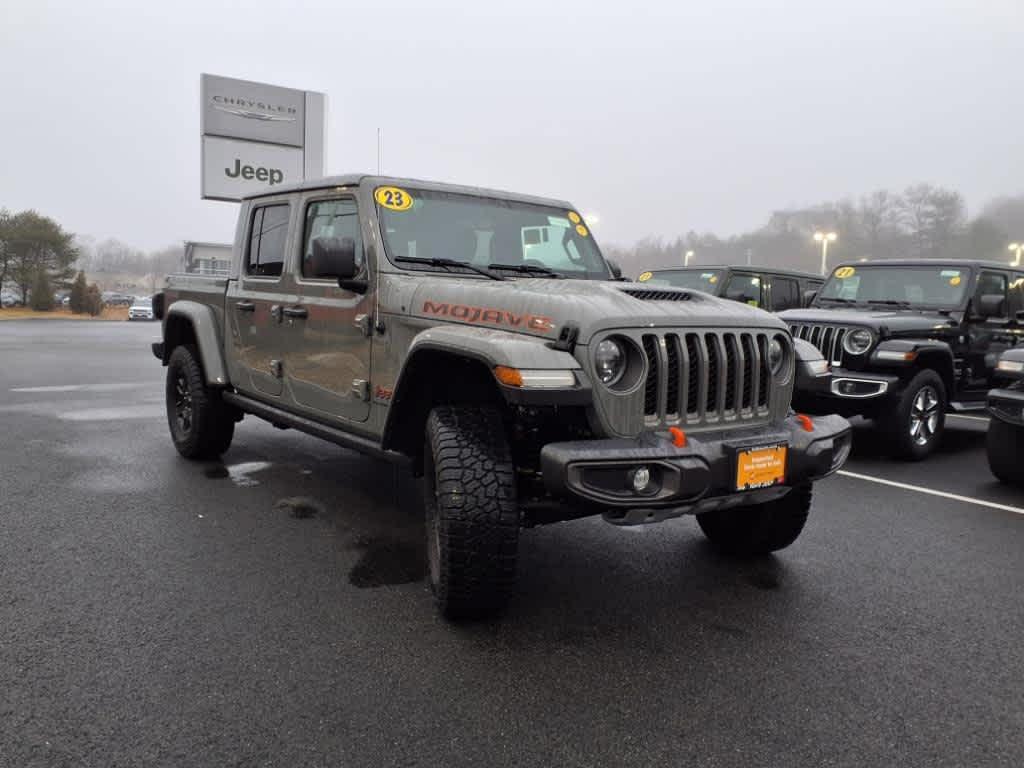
(954, 280)
(714, 279)
(581, 230)
(644, 277)
(844, 272)
(393, 198)
(574, 217)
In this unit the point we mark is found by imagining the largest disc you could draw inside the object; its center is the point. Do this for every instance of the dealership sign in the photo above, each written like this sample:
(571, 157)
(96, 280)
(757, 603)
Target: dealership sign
(256, 136)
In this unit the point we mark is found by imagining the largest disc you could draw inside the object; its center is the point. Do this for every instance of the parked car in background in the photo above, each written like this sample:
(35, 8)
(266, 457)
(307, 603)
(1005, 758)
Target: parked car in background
(1005, 439)
(141, 309)
(114, 299)
(909, 341)
(764, 287)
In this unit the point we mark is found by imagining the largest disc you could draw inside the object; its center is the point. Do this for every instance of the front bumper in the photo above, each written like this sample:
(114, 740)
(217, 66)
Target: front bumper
(848, 393)
(695, 478)
(1007, 405)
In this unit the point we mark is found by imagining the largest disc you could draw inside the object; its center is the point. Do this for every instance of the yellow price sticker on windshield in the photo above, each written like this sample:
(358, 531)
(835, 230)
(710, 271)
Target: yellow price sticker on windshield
(713, 279)
(644, 277)
(581, 230)
(574, 217)
(844, 272)
(955, 281)
(393, 198)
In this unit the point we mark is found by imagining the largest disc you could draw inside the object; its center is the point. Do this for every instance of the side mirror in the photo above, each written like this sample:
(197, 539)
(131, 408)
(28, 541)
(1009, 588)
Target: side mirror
(615, 268)
(809, 296)
(991, 305)
(336, 257)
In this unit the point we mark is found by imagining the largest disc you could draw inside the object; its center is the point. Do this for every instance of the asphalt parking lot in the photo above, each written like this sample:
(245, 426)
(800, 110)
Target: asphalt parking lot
(271, 610)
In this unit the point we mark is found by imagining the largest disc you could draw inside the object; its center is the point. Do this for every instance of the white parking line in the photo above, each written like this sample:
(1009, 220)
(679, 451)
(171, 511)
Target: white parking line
(932, 492)
(112, 387)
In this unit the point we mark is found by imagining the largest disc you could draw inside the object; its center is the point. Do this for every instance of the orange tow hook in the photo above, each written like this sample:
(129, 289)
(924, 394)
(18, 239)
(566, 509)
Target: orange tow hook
(678, 437)
(805, 422)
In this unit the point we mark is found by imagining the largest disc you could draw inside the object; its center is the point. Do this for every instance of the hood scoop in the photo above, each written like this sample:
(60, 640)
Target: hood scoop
(650, 294)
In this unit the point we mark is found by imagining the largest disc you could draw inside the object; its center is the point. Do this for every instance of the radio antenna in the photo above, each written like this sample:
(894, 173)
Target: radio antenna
(379, 150)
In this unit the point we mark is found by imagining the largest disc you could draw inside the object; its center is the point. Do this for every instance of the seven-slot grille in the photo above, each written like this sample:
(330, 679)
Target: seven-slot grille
(827, 338)
(702, 377)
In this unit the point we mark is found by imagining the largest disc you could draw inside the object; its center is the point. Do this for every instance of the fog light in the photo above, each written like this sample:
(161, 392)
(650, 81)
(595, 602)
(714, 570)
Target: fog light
(641, 479)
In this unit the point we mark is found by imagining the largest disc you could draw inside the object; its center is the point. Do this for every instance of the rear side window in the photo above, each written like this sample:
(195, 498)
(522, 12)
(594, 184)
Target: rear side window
(745, 288)
(267, 240)
(785, 294)
(330, 218)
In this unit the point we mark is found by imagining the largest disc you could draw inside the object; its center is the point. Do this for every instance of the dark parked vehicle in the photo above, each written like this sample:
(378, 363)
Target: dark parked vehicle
(908, 341)
(1006, 424)
(764, 287)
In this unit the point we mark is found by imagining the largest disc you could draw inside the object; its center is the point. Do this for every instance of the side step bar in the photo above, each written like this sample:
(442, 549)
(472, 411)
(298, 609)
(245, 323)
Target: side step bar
(278, 417)
(967, 406)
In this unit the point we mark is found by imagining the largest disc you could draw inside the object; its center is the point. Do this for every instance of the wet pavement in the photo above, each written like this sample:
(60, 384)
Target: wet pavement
(270, 609)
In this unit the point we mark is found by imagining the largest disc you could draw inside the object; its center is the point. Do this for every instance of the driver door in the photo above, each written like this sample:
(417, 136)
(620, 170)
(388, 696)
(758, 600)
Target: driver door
(988, 336)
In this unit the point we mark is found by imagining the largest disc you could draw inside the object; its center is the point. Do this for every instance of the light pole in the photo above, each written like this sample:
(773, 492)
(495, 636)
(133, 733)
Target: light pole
(825, 238)
(686, 258)
(1018, 248)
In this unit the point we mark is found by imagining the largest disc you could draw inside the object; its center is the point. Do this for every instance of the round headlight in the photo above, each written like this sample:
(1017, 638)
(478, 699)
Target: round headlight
(858, 341)
(610, 361)
(776, 355)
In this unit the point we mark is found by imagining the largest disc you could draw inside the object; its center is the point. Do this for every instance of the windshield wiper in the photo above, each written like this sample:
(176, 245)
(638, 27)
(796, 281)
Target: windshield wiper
(838, 300)
(448, 263)
(527, 269)
(890, 302)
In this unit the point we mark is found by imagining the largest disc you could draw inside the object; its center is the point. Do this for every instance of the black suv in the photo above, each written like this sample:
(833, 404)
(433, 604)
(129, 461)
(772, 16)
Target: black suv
(1005, 441)
(764, 287)
(908, 341)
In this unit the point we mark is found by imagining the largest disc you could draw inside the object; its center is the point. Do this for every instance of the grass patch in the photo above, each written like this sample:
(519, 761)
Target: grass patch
(63, 313)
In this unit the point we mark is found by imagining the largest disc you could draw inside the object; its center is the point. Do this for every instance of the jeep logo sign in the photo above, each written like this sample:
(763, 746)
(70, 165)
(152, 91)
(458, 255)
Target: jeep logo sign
(233, 169)
(256, 135)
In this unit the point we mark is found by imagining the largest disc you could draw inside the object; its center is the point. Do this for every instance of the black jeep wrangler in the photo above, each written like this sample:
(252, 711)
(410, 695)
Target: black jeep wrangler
(1006, 423)
(909, 341)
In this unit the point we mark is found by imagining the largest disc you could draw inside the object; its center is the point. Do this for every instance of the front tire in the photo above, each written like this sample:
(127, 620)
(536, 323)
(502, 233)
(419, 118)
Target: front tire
(202, 425)
(472, 515)
(760, 529)
(1004, 445)
(920, 417)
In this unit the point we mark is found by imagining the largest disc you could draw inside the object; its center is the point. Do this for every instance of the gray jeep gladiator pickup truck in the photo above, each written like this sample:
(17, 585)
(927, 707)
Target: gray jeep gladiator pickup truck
(482, 338)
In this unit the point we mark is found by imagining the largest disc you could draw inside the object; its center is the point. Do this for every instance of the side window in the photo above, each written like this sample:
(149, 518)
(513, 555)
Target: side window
(1016, 293)
(785, 294)
(267, 241)
(745, 288)
(330, 218)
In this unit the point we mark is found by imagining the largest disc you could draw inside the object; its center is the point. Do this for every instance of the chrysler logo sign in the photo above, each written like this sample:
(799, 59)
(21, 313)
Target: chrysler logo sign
(254, 110)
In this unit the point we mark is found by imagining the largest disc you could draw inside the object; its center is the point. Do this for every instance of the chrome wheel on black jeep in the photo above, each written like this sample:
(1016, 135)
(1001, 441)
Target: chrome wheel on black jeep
(920, 418)
(924, 415)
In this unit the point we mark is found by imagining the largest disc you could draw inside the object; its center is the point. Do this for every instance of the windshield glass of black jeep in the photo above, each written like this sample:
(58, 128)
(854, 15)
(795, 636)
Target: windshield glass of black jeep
(706, 280)
(938, 286)
(420, 224)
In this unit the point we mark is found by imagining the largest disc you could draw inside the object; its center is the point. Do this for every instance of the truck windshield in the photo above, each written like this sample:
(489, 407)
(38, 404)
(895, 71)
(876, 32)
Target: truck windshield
(936, 287)
(529, 240)
(707, 280)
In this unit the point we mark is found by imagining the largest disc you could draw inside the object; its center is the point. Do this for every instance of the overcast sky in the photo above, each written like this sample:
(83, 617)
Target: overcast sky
(660, 117)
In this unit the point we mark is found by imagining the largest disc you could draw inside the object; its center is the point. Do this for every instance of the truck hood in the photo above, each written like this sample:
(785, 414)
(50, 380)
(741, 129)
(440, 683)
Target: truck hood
(542, 307)
(885, 322)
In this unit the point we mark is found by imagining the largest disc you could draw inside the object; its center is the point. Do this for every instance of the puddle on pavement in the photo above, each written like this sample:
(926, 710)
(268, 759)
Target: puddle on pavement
(299, 507)
(388, 561)
(240, 474)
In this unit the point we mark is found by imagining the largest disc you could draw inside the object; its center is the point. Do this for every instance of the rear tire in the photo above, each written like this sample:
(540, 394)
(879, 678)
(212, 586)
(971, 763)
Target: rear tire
(472, 516)
(760, 529)
(1004, 445)
(920, 418)
(202, 425)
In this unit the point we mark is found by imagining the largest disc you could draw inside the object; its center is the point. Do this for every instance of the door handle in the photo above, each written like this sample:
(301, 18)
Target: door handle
(295, 312)
(245, 306)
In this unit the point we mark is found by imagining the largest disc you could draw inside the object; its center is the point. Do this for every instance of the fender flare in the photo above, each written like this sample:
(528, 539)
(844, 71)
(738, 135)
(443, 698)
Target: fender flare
(205, 328)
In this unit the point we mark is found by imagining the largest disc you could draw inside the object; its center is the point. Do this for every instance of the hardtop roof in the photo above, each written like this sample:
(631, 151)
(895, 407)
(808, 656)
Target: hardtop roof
(740, 268)
(356, 179)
